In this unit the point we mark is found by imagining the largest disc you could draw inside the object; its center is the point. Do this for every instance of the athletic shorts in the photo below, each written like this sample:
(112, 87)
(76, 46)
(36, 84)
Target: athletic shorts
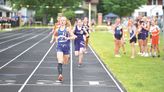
(139, 36)
(134, 39)
(143, 36)
(155, 40)
(65, 48)
(79, 44)
(118, 37)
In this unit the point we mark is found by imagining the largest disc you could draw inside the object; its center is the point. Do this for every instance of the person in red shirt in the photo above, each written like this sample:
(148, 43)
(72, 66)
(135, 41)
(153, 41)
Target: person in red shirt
(155, 30)
(56, 26)
(86, 26)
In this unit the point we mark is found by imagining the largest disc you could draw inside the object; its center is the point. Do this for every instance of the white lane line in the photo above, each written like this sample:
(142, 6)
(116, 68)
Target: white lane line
(71, 71)
(12, 74)
(10, 36)
(2, 50)
(23, 52)
(55, 84)
(4, 34)
(92, 83)
(15, 38)
(13, 32)
(24, 84)
(121, 90)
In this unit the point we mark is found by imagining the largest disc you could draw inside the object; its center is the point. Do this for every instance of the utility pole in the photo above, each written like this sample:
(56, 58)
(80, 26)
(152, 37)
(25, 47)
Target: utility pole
(89, 10)
(163, 15)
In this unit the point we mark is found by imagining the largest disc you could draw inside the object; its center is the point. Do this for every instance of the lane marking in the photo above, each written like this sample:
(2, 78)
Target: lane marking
(24, 84)
(18, 67)
(71, 70)
(23, 52)
(37, 75)
(13, 32)
(2, 50)
(11, 75)
(11, 36)
(92, 83)
(121, 90)
(4, 34)
(17, 38)
(59, 84)
(40, 83)
(10, 81)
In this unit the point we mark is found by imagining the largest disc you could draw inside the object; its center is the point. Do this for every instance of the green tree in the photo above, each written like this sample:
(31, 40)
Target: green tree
(69, 14)
(45, 8)
(120, 7)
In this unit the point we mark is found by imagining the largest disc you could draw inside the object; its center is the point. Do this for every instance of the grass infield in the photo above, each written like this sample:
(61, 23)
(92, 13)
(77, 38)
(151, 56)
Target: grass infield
(141, 74)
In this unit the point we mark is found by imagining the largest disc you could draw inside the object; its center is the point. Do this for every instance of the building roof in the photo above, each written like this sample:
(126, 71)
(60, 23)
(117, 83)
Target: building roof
(5, 8)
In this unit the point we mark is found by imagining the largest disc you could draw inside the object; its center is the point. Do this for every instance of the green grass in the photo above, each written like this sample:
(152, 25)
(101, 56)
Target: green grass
(140, 74)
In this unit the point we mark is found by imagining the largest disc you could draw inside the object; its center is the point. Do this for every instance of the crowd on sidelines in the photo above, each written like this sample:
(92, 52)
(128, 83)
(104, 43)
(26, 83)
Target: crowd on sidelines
(6, 22)
(142, 30)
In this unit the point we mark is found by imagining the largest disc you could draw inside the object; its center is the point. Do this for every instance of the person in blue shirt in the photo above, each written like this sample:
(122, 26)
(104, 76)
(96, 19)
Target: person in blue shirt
(79, 42)
(132, 28)
(118, 34)
(63, 34)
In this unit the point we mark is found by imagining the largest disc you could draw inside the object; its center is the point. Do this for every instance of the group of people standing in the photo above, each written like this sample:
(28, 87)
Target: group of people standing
(63, 33)
(143, 30)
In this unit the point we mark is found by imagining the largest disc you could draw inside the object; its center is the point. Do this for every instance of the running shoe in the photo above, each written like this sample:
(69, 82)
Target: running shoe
(60, 77)
(146, 55)
(117, 56)
(132, 57)
(79, 65)
(155, 54)
(143, 54)
(139, 53)
(150, 54)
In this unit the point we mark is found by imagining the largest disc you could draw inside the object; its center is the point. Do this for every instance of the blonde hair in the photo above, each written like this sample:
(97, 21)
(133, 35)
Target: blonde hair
(68, 23)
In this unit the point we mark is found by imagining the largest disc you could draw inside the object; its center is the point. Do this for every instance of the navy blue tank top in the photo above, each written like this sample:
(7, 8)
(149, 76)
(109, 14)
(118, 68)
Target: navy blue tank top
(62, 36)
(86, 27)
(79, 33)
(118, 32)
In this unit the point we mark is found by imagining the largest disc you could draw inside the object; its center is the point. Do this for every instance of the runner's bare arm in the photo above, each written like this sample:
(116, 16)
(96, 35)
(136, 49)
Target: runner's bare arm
(55, 35)
(158, 30)
(54, 30)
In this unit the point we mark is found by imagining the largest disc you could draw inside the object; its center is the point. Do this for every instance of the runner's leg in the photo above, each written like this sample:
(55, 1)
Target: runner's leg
(59, 67)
